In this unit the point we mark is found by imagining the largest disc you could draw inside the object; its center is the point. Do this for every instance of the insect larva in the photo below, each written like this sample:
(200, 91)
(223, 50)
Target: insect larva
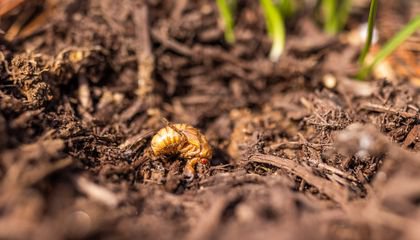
(184, 141)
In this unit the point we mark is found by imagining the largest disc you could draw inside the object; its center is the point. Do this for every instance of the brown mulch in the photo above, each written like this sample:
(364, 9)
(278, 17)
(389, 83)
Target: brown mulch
(294, 158)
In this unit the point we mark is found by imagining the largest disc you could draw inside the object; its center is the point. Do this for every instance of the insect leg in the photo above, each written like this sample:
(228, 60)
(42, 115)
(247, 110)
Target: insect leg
(189, 170)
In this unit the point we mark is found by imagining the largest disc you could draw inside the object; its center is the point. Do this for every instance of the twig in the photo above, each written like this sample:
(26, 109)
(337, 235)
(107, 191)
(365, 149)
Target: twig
(145, 57)
(180, 5)
(204, 52)
(17, 26)
(96, 192)
(24, 118)
(412, 136)
(333, 191)
(379, 108)
(332, 170)
(171, 44)
(8, 5)
(298, 145)
(39, 23)
(135, 108)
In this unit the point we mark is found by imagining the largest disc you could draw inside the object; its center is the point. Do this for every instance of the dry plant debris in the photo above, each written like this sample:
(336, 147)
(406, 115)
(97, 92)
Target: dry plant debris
(294, 156)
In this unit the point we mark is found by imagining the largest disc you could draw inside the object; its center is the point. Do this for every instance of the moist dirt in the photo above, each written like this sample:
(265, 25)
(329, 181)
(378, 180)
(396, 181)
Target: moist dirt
(295, 157)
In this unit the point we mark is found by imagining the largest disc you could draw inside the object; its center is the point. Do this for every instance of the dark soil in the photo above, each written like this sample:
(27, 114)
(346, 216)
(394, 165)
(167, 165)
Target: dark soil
(294, 157)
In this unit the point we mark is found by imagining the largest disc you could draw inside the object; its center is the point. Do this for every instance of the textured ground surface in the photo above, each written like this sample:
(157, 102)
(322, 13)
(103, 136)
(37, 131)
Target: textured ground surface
(294, 157)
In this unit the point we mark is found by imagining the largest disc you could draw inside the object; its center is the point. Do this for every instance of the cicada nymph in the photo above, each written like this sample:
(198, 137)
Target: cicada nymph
(184, 141)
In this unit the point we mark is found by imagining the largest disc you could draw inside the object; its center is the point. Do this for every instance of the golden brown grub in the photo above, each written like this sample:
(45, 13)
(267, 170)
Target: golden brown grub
(184, 141)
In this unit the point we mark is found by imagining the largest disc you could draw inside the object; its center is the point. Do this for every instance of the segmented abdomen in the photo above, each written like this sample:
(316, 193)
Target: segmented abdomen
(183, 140)
(167, 140)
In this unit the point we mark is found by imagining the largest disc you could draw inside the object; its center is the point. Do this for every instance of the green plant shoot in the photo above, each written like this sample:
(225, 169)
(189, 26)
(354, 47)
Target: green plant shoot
(390, 46)
(275, 28)
(287, 8)
(226, 12)
(328, 8)
(343, 13)
(371, 25)
(335, 14)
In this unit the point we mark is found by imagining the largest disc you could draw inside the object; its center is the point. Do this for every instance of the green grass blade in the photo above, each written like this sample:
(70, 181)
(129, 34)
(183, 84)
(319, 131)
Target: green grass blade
(391, 45)
(226, 14)
(371, 25)
(275, 28)
(335, 14)
(343, 13)
(287, 8)
(328, 8)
